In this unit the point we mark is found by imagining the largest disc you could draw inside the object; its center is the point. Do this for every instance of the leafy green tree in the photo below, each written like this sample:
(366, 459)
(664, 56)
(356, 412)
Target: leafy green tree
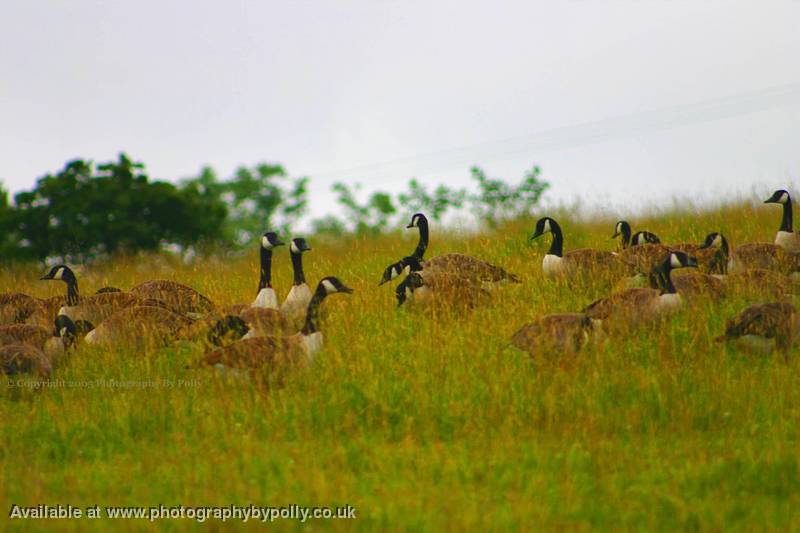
(264, 197)
(497, 200)
(434, 204)
(83, 211)
(366, 219)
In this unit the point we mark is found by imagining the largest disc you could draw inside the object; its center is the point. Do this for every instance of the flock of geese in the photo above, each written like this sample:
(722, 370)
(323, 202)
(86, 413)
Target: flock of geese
(36, 333)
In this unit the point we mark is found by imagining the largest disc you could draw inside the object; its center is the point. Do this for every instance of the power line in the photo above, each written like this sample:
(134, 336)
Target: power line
(584, 133)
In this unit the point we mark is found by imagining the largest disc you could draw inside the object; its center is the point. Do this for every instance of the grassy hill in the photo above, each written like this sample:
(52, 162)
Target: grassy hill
(426, 422)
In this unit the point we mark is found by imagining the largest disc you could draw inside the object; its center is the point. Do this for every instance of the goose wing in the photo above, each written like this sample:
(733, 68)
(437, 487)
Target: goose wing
(469, 267)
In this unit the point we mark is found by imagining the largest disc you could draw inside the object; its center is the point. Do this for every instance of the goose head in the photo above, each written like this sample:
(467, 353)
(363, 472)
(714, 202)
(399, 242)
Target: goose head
(417, 220)
(679, 260)
(270, 240)
(715, 240)
(299, 245)
(544, 225)
(780, 196)
(406, 288)
(622, 228)
(332, 285)
(395, 270)
(60, 272)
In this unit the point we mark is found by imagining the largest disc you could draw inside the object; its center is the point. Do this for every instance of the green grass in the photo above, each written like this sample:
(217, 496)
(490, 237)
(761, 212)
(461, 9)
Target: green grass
(427, 423)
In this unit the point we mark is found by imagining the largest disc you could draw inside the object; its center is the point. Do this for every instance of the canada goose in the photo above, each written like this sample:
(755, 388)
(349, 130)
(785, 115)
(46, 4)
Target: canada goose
(435, 287)
(19, 358)
(455, 263)
(762, 255)
(623, 230)
(296, 302)
(712, 254)
(266, 297)
(93, 309)
(786, 238)
(53, 342)
(17, 307)
(420, 221)
(639, 304)
(758, 326)
(556, 262)
(176, 296)
(273, 353)
(644, 257)
(138, 327)
(556, 334)
(693, 285)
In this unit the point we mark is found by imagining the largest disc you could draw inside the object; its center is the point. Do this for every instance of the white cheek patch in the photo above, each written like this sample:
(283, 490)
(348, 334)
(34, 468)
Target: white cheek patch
(59, 273)
(62, 332)
(784, 198)
(717, 241)
(546, 226)
(674, 261)
(265, 242)
(329, 287)
(618, 229)
(295, 249)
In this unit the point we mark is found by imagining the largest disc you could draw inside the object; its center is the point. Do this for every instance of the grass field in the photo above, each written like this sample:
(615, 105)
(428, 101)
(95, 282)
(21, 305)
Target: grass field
(426, 423)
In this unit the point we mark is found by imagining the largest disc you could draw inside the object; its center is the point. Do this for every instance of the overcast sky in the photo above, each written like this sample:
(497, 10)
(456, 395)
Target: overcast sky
(619, 102)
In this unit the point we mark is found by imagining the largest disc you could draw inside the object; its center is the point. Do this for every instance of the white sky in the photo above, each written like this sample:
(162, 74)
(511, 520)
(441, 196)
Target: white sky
(324, 87)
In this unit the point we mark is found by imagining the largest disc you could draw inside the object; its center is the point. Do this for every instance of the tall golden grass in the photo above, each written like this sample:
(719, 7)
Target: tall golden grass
(426, 422)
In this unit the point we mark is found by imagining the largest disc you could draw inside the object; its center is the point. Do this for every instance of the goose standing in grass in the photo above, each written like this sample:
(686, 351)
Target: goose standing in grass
(275, 353)
(296, 302)
(556, 262)
(632, 306)
(761, 326)
(559, 334)
(786, 238)
(623, 230)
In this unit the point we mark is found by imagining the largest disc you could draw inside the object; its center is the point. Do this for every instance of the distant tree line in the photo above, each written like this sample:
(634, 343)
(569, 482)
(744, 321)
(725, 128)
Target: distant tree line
(88, 210)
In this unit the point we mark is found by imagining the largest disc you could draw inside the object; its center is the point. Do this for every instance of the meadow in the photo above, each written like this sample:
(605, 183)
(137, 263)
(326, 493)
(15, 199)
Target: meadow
(425, 421)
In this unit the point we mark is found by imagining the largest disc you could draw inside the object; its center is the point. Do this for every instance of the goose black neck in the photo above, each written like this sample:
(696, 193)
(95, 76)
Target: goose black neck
(312, 313)
(625, 232)
(786, 222)
(297, 265)
(72, 291)
(266, 269)
(422, 246)
(664, 276)
(557, 246)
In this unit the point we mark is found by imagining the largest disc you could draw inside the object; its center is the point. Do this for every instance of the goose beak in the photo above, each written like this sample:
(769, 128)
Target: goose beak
(346, 290)
(278, 243)
(410, 226)
(692, 262)
(536, 234)
(45, 278)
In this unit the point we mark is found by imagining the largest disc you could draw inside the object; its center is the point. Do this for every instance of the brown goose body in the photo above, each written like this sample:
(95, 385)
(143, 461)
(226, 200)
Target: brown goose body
(17, 307)
(139, 326)
(469, 267)
(776, 322)
(709, 260)
(697, 285)
(643, 258)
(18, 358)
(761, 255)
(99, 307)
(177, 296)
(760, 282)
(560, 334)
(435, 288)
(25, 333)
(263, 321)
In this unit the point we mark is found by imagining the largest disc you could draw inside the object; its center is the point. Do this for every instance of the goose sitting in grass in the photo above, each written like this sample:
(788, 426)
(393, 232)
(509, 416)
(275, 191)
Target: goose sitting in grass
(633, 306)
(556, 335)
(296, 302)
(623, 230)
(176, 296)
(53, 342)
(712, 254)
(786, 238)
(435, 286)
(574, 262)
(139, 327)
(275, 354)
(97, 307)
(465, 266)
(760, 327)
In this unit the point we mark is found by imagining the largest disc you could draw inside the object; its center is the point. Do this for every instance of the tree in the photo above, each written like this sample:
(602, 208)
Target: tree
(367, 219)
(434, 205)
(497, 200)
(83, 211)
